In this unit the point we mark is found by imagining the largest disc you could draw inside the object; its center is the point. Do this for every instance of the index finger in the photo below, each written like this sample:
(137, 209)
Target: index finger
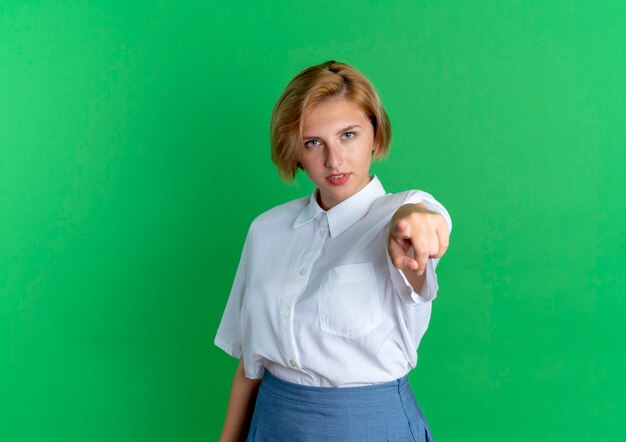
(402, 229)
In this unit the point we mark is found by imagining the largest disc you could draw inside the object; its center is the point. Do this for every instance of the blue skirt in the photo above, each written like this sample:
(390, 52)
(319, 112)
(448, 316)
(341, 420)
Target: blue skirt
(285, 411)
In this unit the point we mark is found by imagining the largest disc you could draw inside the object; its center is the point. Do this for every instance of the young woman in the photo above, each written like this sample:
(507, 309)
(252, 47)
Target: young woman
(333, 292)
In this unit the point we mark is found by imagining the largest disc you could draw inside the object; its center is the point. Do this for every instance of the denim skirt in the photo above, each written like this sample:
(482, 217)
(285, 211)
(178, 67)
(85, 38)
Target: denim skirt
(285, 411)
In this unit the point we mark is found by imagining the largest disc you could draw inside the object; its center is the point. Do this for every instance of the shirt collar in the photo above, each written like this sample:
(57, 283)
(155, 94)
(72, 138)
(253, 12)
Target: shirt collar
(347, 212)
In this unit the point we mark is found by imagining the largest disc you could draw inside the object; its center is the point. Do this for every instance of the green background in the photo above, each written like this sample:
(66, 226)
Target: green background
(134, 152)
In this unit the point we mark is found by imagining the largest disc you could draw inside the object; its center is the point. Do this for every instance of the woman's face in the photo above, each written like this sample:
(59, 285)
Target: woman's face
(336, 151)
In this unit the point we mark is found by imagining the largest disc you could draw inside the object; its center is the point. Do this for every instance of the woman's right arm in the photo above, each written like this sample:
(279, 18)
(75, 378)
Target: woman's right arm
(240, 406)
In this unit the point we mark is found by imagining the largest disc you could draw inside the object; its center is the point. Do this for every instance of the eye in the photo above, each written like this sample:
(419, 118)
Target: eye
(312, 143)
(349, 135)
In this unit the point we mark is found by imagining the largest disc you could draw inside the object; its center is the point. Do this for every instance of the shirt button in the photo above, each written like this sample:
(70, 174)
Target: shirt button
(286, 312)
(302, 272)
(323, 232)
(292, 363)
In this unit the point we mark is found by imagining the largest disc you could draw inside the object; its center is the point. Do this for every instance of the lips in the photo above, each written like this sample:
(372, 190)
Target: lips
(337, 179)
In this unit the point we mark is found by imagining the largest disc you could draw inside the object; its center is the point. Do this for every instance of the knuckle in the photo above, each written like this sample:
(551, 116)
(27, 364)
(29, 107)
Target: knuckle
(413, 217)
(421, 247)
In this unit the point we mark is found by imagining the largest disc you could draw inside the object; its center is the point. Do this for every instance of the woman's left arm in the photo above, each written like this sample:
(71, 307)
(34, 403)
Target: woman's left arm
(416, 234)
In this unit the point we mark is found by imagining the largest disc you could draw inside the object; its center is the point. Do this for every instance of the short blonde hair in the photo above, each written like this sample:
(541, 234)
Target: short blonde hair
(308, 89)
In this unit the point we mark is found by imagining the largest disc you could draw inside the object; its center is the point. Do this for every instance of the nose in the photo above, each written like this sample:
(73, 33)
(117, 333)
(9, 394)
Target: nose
(334, 156)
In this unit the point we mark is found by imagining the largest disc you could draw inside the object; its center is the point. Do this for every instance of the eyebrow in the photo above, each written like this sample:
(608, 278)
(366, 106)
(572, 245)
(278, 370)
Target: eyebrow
(345, 129)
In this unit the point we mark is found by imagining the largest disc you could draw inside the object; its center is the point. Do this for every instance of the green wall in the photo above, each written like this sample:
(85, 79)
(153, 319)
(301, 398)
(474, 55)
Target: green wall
(134, 152)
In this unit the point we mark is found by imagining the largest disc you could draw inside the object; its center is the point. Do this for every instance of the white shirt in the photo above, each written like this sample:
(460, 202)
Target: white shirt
(316, 299)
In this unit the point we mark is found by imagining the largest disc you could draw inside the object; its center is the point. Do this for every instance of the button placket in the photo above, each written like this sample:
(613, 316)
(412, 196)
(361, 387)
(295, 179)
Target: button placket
(299, 285)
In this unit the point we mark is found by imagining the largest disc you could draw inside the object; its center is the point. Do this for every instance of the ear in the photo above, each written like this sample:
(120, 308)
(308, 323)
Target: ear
(374, 149)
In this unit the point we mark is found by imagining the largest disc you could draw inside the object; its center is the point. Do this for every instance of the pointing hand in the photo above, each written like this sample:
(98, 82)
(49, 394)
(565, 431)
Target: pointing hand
(414, 228)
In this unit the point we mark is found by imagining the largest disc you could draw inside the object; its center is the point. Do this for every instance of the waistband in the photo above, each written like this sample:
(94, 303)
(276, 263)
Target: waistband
(334, 396)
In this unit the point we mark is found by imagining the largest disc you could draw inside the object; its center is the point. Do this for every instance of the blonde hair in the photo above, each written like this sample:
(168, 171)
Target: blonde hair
(308, 89)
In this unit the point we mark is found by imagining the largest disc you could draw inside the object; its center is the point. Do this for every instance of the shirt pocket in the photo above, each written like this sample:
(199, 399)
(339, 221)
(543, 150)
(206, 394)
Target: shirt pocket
(348, 301)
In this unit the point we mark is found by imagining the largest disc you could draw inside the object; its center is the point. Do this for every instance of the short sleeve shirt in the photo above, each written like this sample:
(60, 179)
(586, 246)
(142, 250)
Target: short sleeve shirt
(316, 299)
